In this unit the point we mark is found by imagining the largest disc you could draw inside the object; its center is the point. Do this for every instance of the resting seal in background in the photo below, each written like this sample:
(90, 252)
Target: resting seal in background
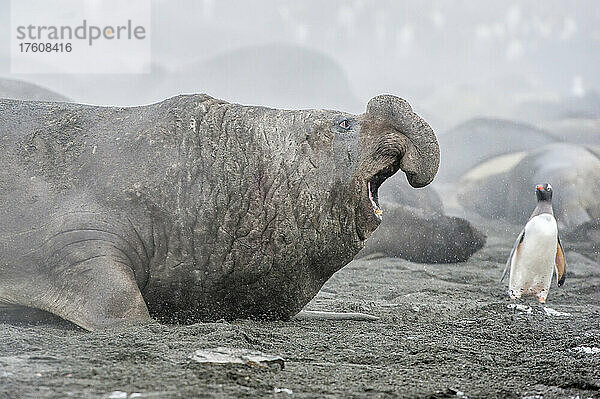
(395, 190)
(411, 214)
(480, 139)
(423, 236)
(20, 90)
(192, 208)
(572, 169)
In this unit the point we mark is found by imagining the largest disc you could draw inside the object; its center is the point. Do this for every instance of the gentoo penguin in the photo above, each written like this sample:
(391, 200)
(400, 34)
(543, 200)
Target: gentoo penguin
(537, 252)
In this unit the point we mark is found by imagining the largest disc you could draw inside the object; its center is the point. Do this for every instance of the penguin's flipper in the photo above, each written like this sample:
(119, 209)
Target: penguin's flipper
(518, 241)
(561, 264)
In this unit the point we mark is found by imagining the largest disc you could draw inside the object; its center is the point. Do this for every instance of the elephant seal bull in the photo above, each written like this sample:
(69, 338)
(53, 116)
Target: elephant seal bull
(192, 208)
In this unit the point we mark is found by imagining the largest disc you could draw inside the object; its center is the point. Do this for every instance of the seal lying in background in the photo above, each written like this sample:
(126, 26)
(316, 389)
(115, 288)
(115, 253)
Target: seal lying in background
(395, 190)
(423, 236)
(572, 169)
(21, 90)
(410, 214)
(192, 208)
(480, 139)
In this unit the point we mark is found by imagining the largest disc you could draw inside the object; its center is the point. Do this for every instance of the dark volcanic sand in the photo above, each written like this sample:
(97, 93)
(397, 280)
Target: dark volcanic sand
(445, 331)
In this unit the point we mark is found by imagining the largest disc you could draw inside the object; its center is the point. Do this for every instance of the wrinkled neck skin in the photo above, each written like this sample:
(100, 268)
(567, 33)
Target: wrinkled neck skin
(255, 215)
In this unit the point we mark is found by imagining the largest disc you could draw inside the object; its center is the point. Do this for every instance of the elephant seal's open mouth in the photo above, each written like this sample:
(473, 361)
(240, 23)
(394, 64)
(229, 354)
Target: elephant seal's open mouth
(376, 181)
(369, 212)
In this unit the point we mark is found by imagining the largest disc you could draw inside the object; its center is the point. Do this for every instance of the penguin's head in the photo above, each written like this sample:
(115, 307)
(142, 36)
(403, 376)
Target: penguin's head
(543, 192)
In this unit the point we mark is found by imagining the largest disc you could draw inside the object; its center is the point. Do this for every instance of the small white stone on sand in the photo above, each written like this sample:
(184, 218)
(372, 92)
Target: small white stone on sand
(117, 395)
(590, 350)
(283, 390)
(519, 307)
(222, 355)
(552, 312)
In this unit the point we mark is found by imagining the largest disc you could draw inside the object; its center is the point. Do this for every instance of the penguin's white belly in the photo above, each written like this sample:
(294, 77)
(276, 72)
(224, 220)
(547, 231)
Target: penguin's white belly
(532, 265)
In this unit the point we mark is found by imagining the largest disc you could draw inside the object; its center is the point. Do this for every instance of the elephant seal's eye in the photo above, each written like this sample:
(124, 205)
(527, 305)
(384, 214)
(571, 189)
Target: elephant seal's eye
(345, 124)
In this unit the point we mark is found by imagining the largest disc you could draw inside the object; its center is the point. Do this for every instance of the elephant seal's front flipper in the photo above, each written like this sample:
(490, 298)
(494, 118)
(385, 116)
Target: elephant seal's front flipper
(96, 293)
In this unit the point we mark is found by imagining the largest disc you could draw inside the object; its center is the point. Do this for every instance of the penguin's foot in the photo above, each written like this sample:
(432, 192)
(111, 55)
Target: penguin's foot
(541, 300)
(514, 295)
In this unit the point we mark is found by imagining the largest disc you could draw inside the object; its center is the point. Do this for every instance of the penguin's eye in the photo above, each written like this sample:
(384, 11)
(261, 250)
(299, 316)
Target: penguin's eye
(345, 124)
(549, 188)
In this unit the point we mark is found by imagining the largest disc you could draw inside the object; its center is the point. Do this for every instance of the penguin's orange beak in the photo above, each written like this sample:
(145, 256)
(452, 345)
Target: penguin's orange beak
(539, 188)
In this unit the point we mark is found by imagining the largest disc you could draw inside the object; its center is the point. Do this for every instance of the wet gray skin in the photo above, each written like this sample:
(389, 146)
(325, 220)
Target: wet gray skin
(192, 208)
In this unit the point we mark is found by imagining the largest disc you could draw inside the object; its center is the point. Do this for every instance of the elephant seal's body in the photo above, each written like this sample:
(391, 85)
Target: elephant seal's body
(191, 208)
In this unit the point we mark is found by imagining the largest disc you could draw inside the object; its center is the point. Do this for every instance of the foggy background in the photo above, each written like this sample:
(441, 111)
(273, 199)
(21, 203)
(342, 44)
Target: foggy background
(533, 61)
